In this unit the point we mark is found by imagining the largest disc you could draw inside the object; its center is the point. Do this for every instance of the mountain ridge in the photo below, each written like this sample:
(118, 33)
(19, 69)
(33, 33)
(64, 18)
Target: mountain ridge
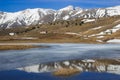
(39, 15)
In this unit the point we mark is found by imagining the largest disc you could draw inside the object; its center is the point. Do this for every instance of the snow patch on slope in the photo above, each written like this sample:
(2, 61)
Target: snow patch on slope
(88, 20)
(114, 41)
(110, 31)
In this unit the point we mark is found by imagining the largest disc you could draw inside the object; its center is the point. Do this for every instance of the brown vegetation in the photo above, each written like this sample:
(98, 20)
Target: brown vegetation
(16, 47)
(66, 72)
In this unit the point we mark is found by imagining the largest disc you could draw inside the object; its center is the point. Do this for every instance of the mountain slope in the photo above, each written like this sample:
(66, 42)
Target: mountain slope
(24, 18)
(38, 15)
(82, 30)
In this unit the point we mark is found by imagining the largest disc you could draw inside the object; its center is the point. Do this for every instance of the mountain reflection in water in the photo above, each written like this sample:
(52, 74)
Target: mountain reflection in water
(99, 62)
(101, 69)
(103, 65)
(12, 59)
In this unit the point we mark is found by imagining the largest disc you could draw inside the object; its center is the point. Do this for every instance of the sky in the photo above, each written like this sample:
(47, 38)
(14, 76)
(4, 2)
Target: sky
(17, 5)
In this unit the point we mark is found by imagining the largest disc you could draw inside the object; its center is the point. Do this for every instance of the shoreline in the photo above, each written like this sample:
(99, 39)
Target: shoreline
(19, 47)
(16, 47)
(52, 41)
(28, 45)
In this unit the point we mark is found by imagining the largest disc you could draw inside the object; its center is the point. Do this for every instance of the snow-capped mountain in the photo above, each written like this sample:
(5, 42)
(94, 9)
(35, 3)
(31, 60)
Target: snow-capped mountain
(82, 65)
(24, 18)
(38, 15)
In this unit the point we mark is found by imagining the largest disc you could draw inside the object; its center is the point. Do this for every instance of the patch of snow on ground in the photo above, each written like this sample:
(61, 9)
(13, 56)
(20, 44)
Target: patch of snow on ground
(110, 31)
(118, 26)
(92, 35)
(99, 40)
(97, 28)
(28, 38)
(114, 41)
(72, 33)
(100, 37)
(88, 20)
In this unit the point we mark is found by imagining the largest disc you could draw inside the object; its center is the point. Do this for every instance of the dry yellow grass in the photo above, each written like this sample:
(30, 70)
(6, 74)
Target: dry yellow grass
(109, 61)
(49, 38)
(16, 47)
(66, 72)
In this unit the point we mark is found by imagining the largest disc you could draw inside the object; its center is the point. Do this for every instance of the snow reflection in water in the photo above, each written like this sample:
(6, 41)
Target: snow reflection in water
(107, 69)
(56, 52)
(100, 65)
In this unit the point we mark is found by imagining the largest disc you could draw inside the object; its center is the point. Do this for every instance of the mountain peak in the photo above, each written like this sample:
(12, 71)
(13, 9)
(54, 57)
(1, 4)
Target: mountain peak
(114, 7)
(40, 15)
(78, 8)
(68, 8)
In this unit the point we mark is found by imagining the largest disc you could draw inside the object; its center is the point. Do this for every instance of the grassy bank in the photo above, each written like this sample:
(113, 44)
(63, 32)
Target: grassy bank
(17, 47)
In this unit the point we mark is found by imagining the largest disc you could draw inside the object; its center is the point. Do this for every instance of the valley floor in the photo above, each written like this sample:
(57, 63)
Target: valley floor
(48, 38)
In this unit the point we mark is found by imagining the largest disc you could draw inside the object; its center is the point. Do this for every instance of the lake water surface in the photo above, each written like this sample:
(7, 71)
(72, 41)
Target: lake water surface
(13, 63)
